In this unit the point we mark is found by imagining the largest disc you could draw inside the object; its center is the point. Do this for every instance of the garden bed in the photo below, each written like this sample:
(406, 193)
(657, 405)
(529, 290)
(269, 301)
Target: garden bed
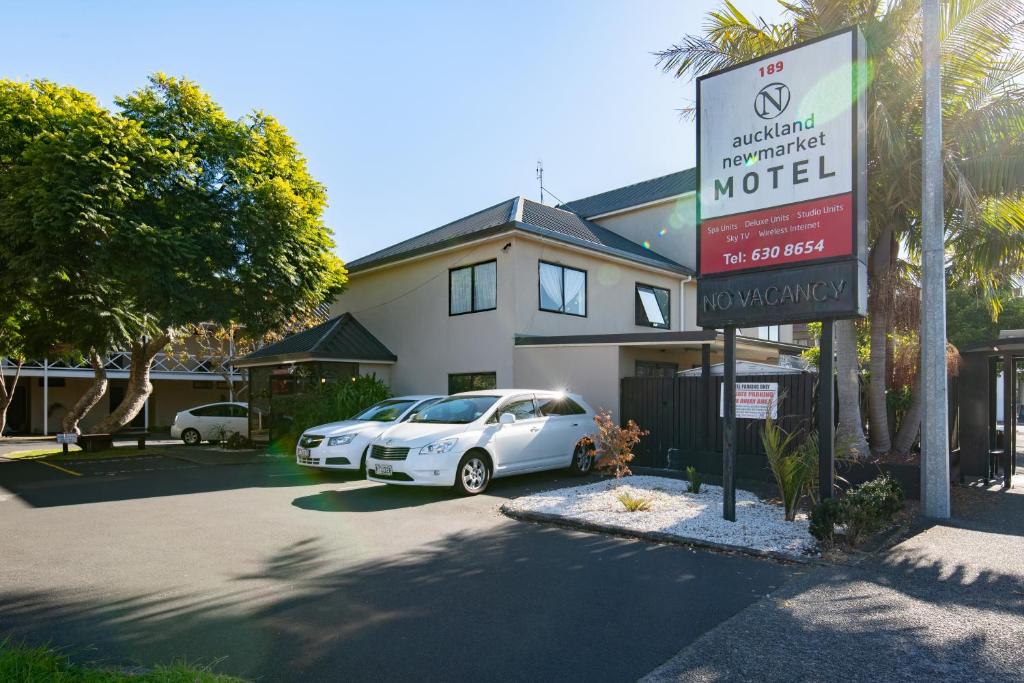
(674, 515)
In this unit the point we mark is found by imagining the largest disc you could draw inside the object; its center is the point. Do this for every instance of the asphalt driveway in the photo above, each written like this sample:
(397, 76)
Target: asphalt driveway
(279, 574)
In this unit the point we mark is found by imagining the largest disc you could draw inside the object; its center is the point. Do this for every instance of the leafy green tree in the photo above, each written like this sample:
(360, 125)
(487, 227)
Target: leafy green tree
(969, 317)
(128, 229)
(244, 216)
(983, 138)
(69, 175)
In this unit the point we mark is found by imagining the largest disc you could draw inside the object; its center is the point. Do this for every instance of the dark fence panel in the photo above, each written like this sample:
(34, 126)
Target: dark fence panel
(678, 415)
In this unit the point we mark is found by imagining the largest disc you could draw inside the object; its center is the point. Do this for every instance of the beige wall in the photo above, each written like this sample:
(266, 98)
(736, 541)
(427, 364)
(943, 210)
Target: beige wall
(406, 308)
(168, 397)
(590, 371)
(611, 292)
(381, 370)
(669, 228)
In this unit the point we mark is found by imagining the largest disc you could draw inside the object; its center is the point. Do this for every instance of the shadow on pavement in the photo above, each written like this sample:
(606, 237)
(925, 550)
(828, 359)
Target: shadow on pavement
(520, 602)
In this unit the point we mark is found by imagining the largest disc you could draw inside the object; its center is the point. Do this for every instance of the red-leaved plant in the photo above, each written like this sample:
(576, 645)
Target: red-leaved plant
(614, 444)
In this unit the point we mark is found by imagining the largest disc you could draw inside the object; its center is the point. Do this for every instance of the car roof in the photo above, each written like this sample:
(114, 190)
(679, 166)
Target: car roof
(414, 397)
(220, 403)
(512, 392)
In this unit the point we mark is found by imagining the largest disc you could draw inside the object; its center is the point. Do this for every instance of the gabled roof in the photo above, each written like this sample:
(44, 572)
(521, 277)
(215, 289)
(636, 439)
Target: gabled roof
(636, 194)
(340, 338)
(526, 216)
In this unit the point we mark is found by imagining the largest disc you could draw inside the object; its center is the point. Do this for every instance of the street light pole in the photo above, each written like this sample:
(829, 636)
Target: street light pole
(934, 431)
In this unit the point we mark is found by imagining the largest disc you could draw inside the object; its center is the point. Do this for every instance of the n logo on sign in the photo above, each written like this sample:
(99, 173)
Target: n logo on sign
(771, 100)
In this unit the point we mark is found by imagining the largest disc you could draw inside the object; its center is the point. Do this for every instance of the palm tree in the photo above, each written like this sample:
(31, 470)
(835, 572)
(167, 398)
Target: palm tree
(983, 141)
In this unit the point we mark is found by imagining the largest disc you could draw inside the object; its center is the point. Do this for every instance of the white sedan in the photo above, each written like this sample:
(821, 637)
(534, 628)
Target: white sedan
(211, 422)
(468, 439)
(342, 445)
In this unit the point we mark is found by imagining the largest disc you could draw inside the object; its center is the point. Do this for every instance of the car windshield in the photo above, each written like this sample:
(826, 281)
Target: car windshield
(385, 411)
(458, 410)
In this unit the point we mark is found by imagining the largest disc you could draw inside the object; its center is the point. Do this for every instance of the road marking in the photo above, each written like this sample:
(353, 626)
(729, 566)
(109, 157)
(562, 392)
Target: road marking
(58, 467)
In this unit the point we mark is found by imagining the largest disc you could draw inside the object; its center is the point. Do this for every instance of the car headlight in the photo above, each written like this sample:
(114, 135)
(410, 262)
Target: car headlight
(342, 440)
(439, 447)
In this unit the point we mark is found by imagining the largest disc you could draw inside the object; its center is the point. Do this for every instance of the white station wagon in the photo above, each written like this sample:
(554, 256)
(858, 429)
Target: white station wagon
(342, 445)
(467, 439)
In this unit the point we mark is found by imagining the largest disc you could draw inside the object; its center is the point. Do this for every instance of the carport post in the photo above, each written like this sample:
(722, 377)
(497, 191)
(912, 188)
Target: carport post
(706, 405)
(1009, 419)
(729, 426)
(826, 412)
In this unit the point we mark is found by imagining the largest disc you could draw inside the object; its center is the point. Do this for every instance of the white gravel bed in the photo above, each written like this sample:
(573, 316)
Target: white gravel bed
(689, 516)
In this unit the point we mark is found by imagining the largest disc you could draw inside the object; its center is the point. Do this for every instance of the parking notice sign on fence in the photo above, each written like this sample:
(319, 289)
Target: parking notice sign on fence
(754, 400)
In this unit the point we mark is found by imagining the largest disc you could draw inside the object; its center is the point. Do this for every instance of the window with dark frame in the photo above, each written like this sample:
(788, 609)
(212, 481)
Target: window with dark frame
(472, 381)
(652, 368)
(653, 306)
(473, 288)
(562, 289)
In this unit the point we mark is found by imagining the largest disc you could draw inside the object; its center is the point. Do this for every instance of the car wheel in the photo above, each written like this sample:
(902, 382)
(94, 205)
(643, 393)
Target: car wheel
(473, 474)
(191, 437)
(582, 459)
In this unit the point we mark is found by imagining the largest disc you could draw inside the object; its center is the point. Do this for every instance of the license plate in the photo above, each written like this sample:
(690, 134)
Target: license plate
(382, 470)
(302, 452)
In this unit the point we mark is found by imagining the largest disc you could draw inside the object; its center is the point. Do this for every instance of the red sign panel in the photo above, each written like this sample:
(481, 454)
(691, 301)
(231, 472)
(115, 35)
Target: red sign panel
(807, 231)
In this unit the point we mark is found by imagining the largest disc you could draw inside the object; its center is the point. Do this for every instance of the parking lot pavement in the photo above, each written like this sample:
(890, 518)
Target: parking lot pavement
(283, 574)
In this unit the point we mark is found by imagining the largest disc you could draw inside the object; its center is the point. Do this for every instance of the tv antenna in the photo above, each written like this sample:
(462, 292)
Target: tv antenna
(540, 179)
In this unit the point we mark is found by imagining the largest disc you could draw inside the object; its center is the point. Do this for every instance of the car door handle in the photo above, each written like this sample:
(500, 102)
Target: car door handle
(534, 429)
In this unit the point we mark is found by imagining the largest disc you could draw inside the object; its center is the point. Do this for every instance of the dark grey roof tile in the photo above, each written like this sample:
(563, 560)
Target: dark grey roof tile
(636, 194)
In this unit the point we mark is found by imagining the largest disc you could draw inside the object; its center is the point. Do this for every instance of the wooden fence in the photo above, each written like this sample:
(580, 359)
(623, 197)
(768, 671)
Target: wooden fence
(683, 413)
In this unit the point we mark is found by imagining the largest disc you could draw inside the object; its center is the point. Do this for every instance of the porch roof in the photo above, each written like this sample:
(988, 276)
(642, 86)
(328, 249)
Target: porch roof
(340, 339)
(664, 339)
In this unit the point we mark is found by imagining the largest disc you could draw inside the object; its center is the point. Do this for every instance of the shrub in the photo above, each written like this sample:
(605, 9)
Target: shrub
(869, 507)
(824, 518)
(634, 503)
(329, 402)
(237, 442)
(614, 444)
(864, 510)
(693, 480)
(793, 465)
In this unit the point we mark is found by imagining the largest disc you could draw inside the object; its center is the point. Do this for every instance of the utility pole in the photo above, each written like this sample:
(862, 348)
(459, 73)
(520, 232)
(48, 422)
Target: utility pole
(934, 432)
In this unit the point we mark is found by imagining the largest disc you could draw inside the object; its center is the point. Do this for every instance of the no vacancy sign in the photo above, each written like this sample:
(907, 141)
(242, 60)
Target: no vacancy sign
(781, 189)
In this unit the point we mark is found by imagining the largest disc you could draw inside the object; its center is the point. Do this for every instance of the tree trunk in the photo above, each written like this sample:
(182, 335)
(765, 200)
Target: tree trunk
(850, 432)
(7, 395)
(879, 311)
(910, 427)
(90, 398)
(139, 387)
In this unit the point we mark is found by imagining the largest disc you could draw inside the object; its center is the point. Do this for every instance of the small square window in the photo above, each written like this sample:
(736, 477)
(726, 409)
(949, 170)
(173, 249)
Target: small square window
(653, 306)
(473, 288)
(562, 289)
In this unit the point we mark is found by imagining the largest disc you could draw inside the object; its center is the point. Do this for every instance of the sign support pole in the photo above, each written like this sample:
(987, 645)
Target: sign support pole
(826, 411)
(934, 428)
(729, 426)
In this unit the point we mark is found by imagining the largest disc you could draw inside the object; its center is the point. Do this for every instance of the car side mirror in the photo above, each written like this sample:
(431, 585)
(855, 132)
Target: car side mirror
(507, 419)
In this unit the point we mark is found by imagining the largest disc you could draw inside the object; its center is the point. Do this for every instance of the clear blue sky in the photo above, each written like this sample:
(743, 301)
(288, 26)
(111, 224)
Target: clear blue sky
(412, 113)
